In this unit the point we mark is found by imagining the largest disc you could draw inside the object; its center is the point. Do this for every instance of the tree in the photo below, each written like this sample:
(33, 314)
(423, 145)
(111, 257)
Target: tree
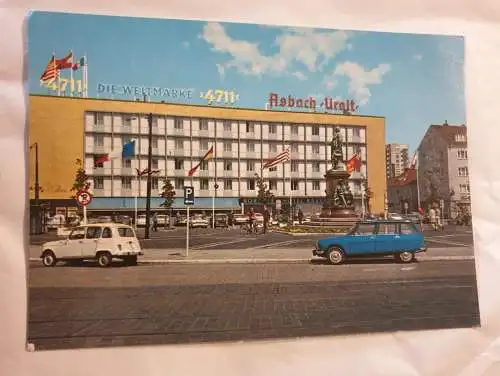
(81, 182)
(167, 193)
(264, 194)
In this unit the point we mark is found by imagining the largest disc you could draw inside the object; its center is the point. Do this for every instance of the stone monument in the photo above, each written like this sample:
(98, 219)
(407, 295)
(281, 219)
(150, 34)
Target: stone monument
(339, 201)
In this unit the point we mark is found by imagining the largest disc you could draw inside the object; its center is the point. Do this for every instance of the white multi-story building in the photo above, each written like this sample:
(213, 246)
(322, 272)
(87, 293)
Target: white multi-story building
(396, 160)
(241, 147)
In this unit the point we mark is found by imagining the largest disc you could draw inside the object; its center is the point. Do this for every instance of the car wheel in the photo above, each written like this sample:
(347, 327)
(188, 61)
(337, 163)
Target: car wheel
(104, 259)
(406, 257)
(49, 259)
(335, 256)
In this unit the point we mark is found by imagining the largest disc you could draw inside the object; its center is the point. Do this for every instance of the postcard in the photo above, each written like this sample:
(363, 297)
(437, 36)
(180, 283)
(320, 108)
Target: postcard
(197, 181)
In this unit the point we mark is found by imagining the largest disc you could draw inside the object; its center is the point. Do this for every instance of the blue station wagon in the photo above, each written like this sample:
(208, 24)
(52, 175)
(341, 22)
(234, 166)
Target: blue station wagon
(400, 238)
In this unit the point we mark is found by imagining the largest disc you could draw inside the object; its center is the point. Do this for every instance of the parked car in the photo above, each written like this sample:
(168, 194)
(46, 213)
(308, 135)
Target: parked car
(240, 219)
(181, 221)
(396, 216)
(101, 242)
(198, 221)
(141, 220)
(221, 220)
(368, 238)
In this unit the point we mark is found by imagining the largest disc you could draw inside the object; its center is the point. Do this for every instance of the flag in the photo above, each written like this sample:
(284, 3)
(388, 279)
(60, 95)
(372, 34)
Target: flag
(354, 163)
(79, 64)
(208, 155)
(145, 172)
(51, 72)
(414, 161)
(127, 151)
(282, 157)
(66, 62)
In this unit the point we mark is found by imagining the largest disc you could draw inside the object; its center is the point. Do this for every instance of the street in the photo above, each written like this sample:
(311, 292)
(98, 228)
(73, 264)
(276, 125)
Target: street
(87, 306)
(452, 236)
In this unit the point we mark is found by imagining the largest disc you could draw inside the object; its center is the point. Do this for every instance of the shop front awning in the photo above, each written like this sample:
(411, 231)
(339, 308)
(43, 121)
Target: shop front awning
(128, 203)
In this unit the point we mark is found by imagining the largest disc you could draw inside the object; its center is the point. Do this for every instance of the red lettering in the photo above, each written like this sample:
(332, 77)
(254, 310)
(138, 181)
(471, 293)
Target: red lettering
(353, 106)
(291, 101)
(300, 103)
(312, 103)
(342, 106)
(328, 103)
(283, 102)
(273, 100)
(336, 105)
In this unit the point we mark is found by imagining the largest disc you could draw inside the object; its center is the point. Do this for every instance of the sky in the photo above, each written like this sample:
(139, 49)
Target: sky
(412, 80)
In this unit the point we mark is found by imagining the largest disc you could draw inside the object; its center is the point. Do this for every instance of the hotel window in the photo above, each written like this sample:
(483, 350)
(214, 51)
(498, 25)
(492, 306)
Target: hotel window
(228, 184)
(204, 166)
(295, 129)
(99, 182)
(356, 132)
(179, 183)
(273, 169)
(155, 122)
(228, 165)
(250, 185)
(154, 143)
(126, 140)
(250, 127)
(462, 154)
(227, 126)
(460, 137)
(127, 182)
(295, 185)
(179, 164)
(98, 118)
(126, 163)
(250, 166)
(272, 128)
(98, 140)
(464, 188)
(203, 124)
(273, 148)
(294, 167)
(463, 171)
(127, 120)
(315, 185)
(295, 148)
(250, 147)
(315, 130)
(315, 148)
(179, 144)
(178, 123)
(154, 183)
(315, 167)
(204, 184)
(204, 145)
(100, 164)
(228, 146)
(154, 164)
(273, 185)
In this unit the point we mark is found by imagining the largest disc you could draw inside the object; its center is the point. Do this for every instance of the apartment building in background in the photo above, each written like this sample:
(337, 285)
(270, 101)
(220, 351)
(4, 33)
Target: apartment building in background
(443, 168)
(396, 160)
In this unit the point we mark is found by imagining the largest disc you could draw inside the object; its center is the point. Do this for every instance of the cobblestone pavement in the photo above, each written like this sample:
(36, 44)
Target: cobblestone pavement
(80, 307)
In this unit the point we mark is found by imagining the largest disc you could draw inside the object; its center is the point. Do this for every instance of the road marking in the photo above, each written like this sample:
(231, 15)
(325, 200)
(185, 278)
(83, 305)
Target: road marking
(270, 245)
(448, 242)
(220, 243)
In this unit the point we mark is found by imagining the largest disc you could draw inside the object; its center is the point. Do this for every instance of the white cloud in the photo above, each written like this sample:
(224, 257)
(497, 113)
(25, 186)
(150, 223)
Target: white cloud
(330, 83)
(418, 57)
(220, 69)
(299, 75)
(185, 44)
(360, 78)
(310, 48)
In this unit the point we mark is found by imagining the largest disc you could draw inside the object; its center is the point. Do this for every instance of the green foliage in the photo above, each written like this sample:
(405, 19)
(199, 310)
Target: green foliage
(167, 193)
(81, 182)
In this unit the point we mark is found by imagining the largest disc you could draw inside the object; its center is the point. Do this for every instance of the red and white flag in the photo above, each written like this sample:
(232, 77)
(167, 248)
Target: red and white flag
(51, 71)
(414, 161)
(282, 157)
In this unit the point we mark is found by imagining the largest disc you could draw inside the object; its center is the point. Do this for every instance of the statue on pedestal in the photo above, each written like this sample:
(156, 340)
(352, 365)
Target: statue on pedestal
(336, 150)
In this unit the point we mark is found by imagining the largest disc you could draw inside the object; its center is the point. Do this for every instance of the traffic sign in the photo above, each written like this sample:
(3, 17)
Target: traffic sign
(83, 198)
(188, 196)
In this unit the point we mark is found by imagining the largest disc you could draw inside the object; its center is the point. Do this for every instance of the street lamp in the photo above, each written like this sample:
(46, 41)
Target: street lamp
(148, 184)
(37, 177)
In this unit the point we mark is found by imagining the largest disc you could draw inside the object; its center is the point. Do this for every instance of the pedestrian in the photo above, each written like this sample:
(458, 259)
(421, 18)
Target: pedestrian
(230, 219)
(266, 216)
(301, 216)
(432, 218)
(154, 224)
(439, 220)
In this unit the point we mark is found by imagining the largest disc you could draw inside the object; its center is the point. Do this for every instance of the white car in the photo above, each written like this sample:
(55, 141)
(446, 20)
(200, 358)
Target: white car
(197, 221)
(101, 242)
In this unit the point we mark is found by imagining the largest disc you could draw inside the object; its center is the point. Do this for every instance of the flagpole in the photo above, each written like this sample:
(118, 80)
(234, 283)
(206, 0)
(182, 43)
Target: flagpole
(291, 208)
(418, 185)
(135, 200)
(85, 75)
(71, 83)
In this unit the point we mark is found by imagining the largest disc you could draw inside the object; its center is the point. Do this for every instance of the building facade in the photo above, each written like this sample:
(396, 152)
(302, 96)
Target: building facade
(67, 129)
(396, 160)
(443, 168)
(402, 194)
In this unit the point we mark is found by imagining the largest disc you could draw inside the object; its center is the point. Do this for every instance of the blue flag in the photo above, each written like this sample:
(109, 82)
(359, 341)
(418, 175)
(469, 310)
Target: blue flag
(128, 150)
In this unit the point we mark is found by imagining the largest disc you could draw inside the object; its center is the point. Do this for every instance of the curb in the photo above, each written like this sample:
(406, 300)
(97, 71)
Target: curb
(273, 260)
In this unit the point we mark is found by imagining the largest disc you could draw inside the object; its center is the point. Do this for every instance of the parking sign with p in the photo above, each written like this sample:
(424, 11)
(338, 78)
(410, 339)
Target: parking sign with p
(188, 196)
